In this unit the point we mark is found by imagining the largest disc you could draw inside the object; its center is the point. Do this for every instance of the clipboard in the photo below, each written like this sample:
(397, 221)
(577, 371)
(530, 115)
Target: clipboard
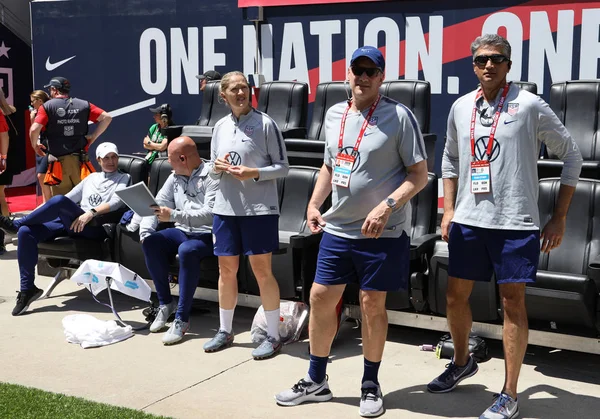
(138, 198)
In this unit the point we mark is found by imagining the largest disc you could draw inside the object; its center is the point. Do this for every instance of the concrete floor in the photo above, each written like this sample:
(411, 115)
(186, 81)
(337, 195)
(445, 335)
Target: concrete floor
(182, 381)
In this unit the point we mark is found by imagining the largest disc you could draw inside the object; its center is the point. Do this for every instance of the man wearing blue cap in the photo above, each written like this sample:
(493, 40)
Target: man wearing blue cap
(374, 163)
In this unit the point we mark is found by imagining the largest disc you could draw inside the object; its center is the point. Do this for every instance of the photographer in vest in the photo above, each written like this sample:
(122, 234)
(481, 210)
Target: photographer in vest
(66, 121)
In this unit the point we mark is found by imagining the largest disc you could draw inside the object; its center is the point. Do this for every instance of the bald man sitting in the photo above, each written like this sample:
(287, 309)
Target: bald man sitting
(187, 199)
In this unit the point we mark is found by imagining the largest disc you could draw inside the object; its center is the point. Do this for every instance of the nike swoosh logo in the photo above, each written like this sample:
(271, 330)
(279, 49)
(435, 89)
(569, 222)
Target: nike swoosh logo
(509, 122)
(53, 66)
(315, 390)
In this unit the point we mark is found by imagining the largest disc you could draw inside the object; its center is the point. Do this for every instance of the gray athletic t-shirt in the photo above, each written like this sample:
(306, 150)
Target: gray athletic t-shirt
(253, 141)
(391, 143)
(525, 122)
(99, 188)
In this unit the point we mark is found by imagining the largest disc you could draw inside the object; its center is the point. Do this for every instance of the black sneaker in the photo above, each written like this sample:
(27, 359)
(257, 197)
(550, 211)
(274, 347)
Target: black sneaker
(453, 375)
(24, 298)
(8, 225)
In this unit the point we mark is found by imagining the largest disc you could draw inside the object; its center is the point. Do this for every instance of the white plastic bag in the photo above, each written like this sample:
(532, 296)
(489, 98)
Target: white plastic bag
(89, 332)
(293, 318)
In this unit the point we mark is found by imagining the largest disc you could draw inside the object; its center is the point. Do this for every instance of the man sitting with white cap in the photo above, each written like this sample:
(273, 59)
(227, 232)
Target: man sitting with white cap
(66, 215)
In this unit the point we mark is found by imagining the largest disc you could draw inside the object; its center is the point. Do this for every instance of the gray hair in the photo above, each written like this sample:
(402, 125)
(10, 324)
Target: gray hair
(491, 40)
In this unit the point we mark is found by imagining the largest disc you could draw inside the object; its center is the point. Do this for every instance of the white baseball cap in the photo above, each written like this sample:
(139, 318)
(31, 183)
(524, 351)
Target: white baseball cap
(106, 148)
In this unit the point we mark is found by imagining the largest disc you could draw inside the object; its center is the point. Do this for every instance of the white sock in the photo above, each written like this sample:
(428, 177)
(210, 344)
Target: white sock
(273, 323)
(226, 319)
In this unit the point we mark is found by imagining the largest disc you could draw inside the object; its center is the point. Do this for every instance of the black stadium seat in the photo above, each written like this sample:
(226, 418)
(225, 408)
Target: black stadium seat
(529, 86)
(567, 288)
(416, 96)
(577, 105)
(287, 103)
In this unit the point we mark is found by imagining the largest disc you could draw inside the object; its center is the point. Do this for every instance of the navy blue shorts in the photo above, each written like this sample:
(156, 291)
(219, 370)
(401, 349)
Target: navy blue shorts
(375, 264)
(247, 235)
(475, 253)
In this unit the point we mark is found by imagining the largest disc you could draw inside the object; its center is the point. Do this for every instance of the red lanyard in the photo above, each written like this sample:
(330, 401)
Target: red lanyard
(490, 145)
(362, 130)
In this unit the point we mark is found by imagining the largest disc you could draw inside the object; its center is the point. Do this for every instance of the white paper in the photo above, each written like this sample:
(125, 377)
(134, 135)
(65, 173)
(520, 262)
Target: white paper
(138, 198)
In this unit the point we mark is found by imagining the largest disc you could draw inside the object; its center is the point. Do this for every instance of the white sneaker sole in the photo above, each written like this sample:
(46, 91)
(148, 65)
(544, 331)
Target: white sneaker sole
(372, 414)
(303, 399)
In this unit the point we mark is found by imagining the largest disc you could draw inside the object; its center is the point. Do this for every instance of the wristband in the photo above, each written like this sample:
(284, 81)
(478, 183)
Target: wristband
(94, 212)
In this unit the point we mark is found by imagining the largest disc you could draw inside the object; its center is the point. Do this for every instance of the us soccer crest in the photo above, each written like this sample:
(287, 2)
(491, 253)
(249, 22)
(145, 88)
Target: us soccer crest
(512, 109)
(373, 120)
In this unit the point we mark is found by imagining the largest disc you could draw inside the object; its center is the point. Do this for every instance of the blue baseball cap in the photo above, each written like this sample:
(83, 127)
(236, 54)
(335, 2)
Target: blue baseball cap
(372, 54)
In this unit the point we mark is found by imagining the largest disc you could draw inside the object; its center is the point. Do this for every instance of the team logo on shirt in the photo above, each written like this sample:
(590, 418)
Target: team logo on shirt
(373, 120)
(69, 131)
(512, 109)
(249, 131)
(95, 199)
(350, 151)
(234, 158)
(481, 149)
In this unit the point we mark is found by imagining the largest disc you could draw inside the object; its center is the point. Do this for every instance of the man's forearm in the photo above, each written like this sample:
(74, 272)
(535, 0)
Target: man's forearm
(101, 127)
(416, 179)
(322, 188)
(450, 187)
(565, 194)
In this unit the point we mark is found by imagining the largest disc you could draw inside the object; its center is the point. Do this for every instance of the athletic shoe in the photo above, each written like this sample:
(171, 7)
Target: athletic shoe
(453, 375)
(176, 331)
(268, 348)
(8, 225)
(304, 391)
(371, 400)
(24, 298)
(164, 311)
(504, 407)
(221, 341)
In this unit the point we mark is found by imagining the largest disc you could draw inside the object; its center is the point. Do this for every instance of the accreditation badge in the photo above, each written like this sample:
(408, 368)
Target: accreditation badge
(481, 181)
(342, 170)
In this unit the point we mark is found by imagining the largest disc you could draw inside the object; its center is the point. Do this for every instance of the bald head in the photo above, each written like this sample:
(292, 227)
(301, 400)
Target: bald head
(182, 145)
(183, 155)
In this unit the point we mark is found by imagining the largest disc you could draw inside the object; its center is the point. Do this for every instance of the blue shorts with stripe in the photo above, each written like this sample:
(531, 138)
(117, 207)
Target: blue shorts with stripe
(375, 264)
(245, 235)
(475, 253)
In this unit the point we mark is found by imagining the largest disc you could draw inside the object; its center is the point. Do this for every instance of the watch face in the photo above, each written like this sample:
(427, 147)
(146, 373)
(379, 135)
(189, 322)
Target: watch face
(391, 202)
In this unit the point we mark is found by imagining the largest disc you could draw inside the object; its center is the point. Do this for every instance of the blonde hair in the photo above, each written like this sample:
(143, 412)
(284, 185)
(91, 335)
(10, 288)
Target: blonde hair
(41, 95)
(226, 80)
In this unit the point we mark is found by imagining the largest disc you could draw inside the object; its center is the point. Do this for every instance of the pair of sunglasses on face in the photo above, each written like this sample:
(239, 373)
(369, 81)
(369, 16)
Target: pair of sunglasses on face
(482, 60)
(358, 71)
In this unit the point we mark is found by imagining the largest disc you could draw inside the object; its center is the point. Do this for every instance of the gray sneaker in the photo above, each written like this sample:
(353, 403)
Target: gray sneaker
(371, 400)
(221, 341)
(504, 407)
(453, 375)
(175, 332)
(268, 348)
(304, 391)
(164, 311)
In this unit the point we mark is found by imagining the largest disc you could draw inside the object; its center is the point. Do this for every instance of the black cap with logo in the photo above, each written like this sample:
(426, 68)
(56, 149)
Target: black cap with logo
(209, 75)
(60, 83)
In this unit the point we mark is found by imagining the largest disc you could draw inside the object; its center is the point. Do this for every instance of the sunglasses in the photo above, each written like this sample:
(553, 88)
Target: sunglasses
(482, 60)
(371, 71)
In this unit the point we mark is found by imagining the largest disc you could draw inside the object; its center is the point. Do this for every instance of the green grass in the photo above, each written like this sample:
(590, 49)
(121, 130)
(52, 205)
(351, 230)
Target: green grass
(18, 402)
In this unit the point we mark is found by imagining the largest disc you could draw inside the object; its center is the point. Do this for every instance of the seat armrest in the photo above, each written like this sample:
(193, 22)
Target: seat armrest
(593, 271)
(423, 245)
(113, 217)
(305, 240)
(172, 131)
(294, 132)
(430, 139)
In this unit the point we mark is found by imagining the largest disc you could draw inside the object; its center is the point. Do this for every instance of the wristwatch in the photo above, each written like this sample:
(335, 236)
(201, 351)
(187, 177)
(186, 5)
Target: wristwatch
(390, 202)
(93, 211)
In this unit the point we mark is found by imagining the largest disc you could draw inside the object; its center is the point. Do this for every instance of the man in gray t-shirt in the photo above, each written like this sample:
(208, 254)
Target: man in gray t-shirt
(66, 215)
(491, 220)
(375, 162)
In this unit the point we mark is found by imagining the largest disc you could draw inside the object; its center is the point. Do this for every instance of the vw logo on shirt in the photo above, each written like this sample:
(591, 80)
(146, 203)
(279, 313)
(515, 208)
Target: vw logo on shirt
(481, 148)
(234, 158)
(95, 199)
